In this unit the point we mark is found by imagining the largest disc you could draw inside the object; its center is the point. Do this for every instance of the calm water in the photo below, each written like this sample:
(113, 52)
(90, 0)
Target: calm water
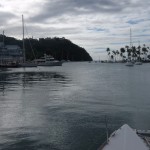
(64, 108)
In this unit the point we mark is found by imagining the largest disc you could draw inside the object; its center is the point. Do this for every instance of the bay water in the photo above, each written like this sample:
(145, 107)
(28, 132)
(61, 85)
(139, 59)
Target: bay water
(64, 108)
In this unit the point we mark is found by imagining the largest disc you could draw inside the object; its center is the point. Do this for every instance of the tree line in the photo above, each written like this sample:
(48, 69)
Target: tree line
(139, 53)
(59, 48)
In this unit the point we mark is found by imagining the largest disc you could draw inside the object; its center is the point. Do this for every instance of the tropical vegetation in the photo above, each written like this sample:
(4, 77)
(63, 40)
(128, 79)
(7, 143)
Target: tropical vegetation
(139, 53)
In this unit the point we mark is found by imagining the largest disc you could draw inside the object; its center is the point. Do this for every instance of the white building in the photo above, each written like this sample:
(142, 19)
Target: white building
(10, 54)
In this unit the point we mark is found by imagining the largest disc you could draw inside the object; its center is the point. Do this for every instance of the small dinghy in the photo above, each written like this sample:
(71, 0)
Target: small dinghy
(129, 63)
(138, 63)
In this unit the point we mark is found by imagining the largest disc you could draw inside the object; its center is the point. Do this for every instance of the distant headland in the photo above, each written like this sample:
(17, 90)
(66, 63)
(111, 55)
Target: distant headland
(59, 48)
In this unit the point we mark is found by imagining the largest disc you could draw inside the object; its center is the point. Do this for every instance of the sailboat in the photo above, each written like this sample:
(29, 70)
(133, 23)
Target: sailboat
(126, 138)
(129, 62)
(25, 63)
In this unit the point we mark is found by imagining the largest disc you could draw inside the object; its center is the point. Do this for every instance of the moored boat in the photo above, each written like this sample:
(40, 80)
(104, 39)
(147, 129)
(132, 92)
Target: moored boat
(9, 65)
(48, 60)
(138, 63)
(125, 138)
(25, 63)
(129, 63)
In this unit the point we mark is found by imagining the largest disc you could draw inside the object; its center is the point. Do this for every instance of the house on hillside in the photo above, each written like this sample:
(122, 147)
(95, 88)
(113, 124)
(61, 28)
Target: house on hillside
(10, 54)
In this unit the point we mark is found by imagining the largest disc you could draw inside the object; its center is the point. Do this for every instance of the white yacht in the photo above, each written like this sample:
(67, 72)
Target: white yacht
(126, 138)
(48, 60)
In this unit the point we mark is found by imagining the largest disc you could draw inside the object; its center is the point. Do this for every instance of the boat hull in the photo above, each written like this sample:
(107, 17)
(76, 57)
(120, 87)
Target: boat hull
(27, 65)
(8, 66)
(59, 63)
(138, 63)
(129, 64)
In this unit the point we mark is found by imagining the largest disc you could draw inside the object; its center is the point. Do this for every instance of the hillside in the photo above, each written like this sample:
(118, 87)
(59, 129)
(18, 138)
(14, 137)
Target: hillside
(59, 48)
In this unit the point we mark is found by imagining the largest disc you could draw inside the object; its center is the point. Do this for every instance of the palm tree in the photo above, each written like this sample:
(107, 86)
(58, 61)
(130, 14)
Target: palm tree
(129, 50)
(133, 50)
(122, 51)
(148, 48)
(117, 53)
(114, 55)
(138, 52)
(108, 52)
(144, 50)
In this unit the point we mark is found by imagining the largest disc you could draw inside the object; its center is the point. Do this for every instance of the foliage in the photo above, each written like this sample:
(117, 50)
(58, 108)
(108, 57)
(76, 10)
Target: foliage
(59, 48)
(131, 53)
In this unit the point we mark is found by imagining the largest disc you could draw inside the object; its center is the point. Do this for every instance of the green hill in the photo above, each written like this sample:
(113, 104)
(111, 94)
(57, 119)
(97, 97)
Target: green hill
(59, 48)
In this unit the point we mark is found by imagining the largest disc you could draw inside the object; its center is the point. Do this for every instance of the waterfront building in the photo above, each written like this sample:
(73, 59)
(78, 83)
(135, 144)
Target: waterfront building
(10, 54)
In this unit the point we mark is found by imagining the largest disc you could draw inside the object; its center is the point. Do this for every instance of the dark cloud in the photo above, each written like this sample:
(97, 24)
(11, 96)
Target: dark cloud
(57, 8)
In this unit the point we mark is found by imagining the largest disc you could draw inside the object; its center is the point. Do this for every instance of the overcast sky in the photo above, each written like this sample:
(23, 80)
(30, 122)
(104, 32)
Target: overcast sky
(92, 24)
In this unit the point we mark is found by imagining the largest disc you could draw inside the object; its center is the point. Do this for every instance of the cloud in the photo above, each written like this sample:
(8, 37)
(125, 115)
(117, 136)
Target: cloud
(92, 24)
(135, 21)
(96, 29)
(58, 8)
(6, 17)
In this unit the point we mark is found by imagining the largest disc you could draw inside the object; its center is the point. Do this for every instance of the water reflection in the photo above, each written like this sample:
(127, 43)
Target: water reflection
(11, 81)
(17, 140)
(24, 117)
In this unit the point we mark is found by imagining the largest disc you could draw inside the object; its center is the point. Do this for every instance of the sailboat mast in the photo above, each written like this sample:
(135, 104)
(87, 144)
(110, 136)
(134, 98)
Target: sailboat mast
(24, 58)
(130, 38)
(3, 40)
